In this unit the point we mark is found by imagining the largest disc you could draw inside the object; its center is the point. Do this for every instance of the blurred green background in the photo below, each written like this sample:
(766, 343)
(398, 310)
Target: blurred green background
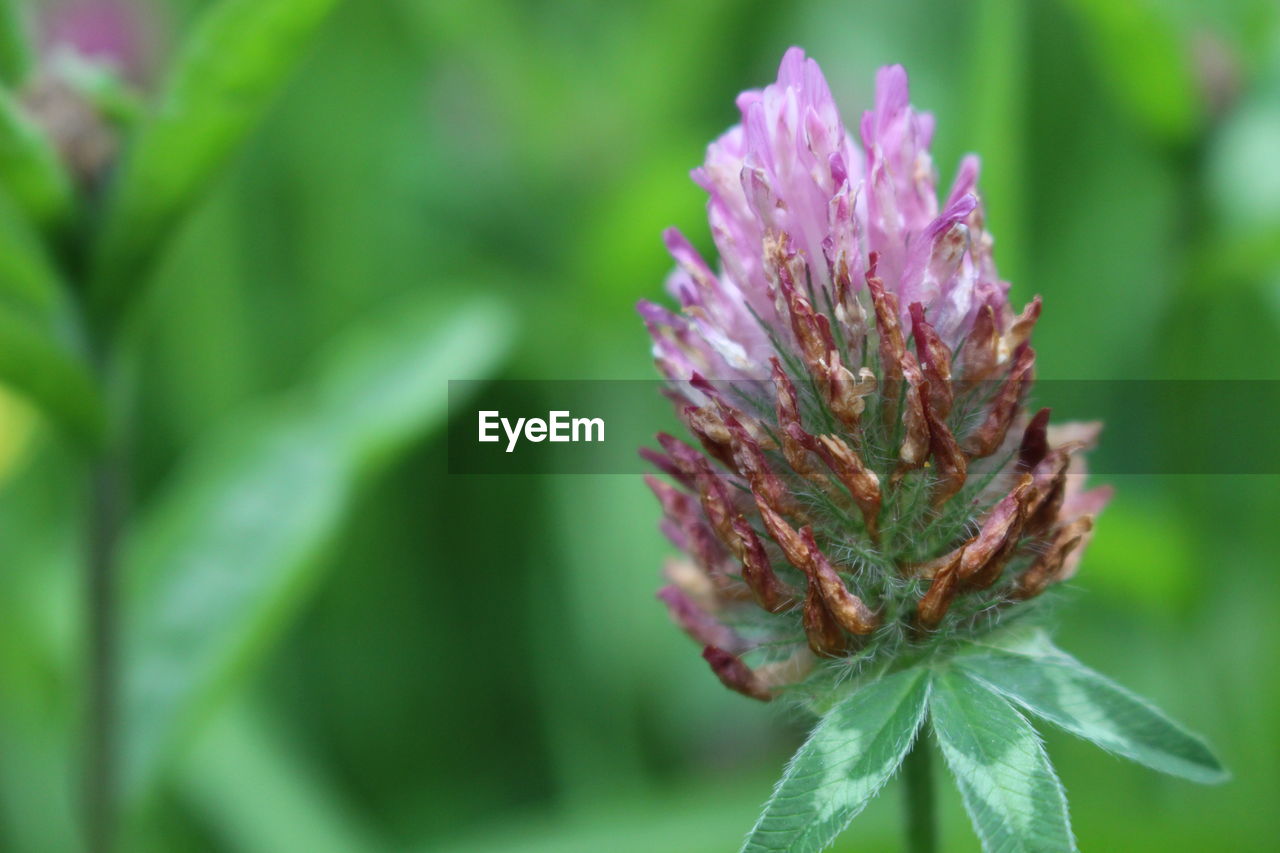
(416, 661)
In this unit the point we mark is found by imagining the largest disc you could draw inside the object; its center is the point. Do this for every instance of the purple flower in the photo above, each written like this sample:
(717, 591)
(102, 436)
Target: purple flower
(115, 33)
(868, 481)
(792, 170)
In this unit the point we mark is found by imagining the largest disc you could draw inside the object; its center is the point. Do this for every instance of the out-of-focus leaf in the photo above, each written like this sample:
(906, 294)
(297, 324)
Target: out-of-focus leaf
(1145, 64)
(1063, 691)
(233, 64)
(15, 50)
(37, 812)
(228, 551)
(40, 507)
(1242, 183)
(17, 420)
(39, 367)
(378, 385)
(1145, 555)
(29, 167)
(678, 816)
(28, 281)
(853, 751)
(39, 354)
(1009, 788)
(260, 796)
(997, 123)
(223, 552)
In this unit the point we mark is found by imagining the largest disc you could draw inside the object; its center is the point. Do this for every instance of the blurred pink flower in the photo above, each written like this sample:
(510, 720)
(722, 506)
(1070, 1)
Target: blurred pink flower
(116, 33)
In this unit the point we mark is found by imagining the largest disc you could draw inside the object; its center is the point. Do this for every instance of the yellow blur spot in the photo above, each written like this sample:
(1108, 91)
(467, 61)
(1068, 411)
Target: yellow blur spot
(17, 421)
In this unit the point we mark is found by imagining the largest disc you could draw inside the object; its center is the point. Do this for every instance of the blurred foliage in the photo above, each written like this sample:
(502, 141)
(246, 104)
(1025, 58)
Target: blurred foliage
(356, 651)
(229, 70)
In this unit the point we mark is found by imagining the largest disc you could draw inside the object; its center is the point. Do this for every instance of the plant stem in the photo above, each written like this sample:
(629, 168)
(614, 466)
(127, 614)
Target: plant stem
(103, 533)
(919, 807)
(108, 499)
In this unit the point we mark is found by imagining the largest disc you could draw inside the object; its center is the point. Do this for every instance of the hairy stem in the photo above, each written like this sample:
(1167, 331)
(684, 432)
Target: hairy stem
(919, 807)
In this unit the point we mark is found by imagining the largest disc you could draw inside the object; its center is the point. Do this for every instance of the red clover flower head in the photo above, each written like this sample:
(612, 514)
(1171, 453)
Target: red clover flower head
(866, 482)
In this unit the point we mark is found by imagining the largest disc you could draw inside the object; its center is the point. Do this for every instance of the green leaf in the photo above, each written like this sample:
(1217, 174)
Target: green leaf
(291, 805)
(381, 382)
(40, 354)
(1009, 788)
(999, 85)
(29, 285)
(1145, 62)
(236, 60)
(224, 557)
(38, 808)
(15, 46)
(37, 366)
(1063, 691)
(855, 748)
(30, 171)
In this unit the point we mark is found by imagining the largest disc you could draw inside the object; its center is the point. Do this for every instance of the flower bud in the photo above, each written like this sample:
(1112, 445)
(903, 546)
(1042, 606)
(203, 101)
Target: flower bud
(735, 674)
(699, 624)
(757, 571)
(848, 610)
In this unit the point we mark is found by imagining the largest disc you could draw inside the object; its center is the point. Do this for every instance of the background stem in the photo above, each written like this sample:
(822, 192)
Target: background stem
(105, 504)
(105, 519)
(919, 808)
